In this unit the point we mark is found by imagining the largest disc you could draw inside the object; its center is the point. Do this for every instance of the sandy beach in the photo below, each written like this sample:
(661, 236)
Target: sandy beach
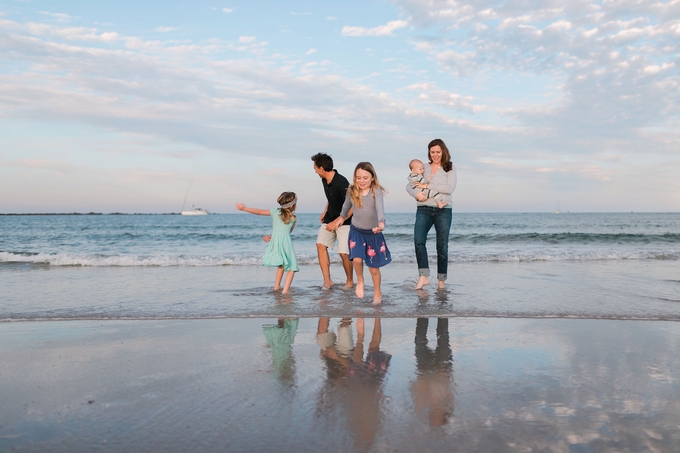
(218, 385)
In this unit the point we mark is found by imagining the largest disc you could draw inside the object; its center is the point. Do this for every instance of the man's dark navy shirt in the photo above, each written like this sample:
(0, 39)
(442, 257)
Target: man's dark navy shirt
(336, 192)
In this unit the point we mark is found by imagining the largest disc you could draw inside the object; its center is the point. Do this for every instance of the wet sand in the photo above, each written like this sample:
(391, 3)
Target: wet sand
(242, 385)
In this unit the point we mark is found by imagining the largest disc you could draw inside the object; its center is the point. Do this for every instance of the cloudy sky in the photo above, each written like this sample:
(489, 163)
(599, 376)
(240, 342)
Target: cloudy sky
(117, 106)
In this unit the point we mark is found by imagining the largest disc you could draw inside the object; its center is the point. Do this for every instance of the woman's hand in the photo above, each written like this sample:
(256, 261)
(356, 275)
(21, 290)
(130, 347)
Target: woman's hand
(379, 228)
(421, 196)
(266, 238)
(240, 206)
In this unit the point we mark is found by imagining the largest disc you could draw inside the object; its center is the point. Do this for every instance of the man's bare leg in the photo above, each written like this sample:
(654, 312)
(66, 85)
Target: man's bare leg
(347, 265)
(325, 265)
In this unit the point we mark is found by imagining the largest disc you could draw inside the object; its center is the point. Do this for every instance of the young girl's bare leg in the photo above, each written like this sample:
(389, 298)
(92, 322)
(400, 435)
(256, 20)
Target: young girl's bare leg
(358, 264)
(279, 276)
(289, 280)
(375, 275)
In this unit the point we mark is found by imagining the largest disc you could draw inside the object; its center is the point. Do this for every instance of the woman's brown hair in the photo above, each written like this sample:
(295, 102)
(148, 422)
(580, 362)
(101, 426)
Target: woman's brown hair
(446, 155)
(287, 213)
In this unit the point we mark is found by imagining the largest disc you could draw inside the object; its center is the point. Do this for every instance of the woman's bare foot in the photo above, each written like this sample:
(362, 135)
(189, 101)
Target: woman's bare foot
(360, 290)
(440, 284)
(348, 285)
(422, 281)
(277, 288)
(377, 298)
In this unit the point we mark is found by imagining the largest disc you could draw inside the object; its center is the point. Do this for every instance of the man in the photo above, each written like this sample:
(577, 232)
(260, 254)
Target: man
(335, 186)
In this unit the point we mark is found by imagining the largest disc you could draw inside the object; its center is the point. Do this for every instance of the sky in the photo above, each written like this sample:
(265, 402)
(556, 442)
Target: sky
(126, 106)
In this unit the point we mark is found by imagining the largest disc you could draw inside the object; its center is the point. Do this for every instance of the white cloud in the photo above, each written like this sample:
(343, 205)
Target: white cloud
(329, 18)
(59, 17)
(381, 30)
(292, 13)
(227, 10)
(310, 51)
(165, 29)
(246, 39)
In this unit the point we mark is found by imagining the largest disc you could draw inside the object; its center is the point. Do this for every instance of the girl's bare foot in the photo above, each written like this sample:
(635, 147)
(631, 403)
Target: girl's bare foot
(377, 299)
(441, 284)
(348, 285)
(422, 281)
(360, 290)
(277, 288)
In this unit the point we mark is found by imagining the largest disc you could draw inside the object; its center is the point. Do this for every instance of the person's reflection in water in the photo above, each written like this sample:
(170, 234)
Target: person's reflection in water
(433, 390)
(354, 382)
(280, 337)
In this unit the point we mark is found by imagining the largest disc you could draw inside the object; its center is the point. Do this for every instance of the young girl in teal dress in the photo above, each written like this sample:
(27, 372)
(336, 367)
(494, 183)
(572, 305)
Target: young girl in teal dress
(280, 252)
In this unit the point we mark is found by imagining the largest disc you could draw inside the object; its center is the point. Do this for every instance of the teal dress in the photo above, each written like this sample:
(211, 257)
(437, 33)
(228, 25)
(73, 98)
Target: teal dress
(280, 251)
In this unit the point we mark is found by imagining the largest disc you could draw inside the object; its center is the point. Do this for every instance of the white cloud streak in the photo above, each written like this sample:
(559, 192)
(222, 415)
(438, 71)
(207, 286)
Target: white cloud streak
(381, 30)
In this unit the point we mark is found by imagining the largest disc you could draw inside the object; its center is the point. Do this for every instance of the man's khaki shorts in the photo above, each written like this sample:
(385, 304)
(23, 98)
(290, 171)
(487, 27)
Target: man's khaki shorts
(328, 238)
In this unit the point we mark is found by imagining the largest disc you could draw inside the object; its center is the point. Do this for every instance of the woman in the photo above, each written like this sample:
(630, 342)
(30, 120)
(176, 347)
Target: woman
(442, 176)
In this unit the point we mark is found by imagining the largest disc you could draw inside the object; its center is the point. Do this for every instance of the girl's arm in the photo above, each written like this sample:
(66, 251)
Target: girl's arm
(380, 211)
(293, 227)
(242, 207)
(344, 212)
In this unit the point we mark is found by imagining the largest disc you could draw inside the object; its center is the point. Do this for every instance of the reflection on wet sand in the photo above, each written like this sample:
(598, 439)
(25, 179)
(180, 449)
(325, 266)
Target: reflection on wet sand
(354, 381)
(433, 389)
(280, 338)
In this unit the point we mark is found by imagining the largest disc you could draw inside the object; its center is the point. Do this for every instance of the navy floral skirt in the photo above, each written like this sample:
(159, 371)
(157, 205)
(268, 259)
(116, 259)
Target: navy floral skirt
(368, 246)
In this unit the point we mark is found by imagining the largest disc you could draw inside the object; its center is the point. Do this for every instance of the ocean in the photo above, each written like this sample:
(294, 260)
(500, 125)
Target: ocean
(129, 266)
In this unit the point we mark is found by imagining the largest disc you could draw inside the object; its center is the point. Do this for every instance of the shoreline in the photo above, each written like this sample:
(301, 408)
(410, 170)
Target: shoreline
(637, 290)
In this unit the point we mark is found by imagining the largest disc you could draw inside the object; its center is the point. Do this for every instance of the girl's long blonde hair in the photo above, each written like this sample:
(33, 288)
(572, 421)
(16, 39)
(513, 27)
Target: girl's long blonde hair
(355, 191)
(287, 213)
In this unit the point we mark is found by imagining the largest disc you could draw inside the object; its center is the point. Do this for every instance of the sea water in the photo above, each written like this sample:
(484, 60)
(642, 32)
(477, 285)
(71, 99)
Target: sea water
(128, 266)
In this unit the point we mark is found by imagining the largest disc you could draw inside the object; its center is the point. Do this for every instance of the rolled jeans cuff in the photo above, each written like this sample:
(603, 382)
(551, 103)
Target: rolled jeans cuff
(425, 272)
(441, 277)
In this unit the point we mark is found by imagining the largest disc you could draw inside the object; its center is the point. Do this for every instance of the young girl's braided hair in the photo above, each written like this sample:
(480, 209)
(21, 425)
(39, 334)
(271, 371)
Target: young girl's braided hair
(288, 202)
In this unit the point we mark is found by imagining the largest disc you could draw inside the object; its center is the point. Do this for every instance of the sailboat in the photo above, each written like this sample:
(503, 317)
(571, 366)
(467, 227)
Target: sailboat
(194, 210)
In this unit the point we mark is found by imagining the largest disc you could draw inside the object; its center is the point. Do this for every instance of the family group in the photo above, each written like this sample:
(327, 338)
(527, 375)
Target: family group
(355, 218)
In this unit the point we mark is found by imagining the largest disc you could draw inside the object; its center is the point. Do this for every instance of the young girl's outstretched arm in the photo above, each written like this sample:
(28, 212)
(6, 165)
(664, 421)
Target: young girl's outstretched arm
(242, 207)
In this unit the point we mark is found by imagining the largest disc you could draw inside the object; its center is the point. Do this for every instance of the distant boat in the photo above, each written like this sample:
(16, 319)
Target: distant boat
(194, 210)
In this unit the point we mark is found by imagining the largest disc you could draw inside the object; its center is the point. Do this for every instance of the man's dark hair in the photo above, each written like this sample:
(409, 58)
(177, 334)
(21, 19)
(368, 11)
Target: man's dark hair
(323, 160)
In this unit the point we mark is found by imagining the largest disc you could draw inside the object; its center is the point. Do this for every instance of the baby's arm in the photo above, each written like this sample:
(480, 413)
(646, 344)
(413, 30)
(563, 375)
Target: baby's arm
(242, 207)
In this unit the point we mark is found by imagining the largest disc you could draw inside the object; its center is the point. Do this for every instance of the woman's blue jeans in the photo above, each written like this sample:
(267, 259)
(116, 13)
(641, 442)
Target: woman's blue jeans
(426, 216)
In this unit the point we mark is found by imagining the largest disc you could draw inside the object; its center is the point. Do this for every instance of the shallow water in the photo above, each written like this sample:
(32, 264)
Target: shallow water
(473, 385)
(623, 289)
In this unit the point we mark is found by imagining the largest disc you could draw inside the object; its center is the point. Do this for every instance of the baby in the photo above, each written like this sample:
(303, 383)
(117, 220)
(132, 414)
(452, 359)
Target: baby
(416, 176)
